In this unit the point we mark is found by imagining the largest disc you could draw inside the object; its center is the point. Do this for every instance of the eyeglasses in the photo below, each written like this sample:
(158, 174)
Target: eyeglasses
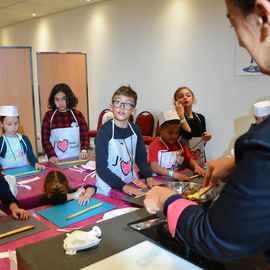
(126, 105)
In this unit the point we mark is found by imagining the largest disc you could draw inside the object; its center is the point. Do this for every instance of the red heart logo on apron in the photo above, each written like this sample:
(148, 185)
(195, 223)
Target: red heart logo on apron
(125, 167)
(62, 145)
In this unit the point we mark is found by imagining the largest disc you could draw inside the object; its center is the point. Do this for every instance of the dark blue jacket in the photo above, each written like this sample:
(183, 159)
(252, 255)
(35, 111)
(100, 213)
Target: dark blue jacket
(5, 194)
(238, 224)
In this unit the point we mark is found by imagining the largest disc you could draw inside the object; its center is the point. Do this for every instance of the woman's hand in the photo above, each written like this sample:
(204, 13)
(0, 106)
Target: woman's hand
(219, 169)
(155, 199)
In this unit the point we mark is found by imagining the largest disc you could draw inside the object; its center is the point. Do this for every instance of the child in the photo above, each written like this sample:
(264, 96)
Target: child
(167, 153)
(193, 129)
(10, 201)
(64, 129)
(57, 190)
(119, 145)
(15, 149)
(261, 111)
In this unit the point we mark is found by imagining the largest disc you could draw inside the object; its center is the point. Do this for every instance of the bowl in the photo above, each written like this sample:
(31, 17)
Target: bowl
(187, 188)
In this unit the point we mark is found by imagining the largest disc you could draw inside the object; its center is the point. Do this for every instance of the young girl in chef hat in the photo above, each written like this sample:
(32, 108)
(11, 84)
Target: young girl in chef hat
(15, 149)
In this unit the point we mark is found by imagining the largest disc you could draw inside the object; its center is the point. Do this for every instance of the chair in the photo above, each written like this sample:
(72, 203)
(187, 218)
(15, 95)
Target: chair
(157, 130)
(93, 133)
(146, 122)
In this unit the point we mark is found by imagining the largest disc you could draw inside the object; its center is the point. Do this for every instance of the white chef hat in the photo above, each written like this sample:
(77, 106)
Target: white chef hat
(262, 108)
(168, 116)
(8, 111)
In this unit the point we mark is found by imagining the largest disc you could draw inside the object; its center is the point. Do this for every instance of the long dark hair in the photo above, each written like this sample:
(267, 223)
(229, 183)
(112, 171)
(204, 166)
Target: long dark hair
(55, 181)
(71, 99)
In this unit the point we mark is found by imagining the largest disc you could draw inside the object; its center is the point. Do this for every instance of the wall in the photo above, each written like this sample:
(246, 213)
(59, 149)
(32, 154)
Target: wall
(155, 46)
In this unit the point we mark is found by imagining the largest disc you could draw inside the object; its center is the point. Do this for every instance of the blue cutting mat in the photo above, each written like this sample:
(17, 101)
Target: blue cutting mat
(23, 170)
(57, 214)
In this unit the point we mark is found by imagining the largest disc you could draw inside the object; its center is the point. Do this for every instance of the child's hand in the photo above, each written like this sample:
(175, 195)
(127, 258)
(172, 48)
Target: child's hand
(206, 136)
(39, 167)
(85, 197)
(152, 182)
(20, 213)
(84, 155)
(199, 170)
(132, 190)
(180, 176)
(53, 160)
(179, 109)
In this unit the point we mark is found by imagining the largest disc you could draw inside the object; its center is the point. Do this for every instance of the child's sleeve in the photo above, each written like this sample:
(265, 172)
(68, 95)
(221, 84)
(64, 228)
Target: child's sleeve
(153, 152)
(84, 140)
(45, 136)
(29, 152)
(141, 155)
(6, 195)
(55, 199)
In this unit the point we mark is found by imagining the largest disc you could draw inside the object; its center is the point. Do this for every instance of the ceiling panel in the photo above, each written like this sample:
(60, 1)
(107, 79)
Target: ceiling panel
(15, 11)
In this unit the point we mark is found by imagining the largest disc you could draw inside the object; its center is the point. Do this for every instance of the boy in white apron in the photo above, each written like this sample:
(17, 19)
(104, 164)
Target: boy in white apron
(167, 154)
(193, 129)
(119, 145)
(64, 129)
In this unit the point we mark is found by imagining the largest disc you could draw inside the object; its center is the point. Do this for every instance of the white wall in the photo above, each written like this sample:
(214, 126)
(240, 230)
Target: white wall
(155, 46)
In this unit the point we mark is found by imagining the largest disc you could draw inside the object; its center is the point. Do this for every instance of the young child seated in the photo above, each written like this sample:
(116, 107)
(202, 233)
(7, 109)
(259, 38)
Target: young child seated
(15, 149)
(57, 190)
(167, 154)
(119, 145)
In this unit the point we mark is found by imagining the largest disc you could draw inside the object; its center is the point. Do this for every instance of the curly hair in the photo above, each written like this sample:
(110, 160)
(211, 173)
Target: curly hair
(55, 181)
(126, 91)
(71, 99)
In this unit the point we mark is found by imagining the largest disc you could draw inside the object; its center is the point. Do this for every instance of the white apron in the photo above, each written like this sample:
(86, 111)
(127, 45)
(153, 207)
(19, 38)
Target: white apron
(196, 148)
(66, 141)
(121, 156)
(171, 160)
(15, 156)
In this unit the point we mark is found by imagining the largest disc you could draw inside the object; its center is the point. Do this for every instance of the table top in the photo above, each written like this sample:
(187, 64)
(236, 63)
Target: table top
(53, 229)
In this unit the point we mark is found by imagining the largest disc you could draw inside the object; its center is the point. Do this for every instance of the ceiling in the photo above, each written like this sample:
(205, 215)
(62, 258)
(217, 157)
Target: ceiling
(15, 11)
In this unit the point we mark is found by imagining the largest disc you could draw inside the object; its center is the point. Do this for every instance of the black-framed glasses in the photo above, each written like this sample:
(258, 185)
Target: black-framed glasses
(126, 105)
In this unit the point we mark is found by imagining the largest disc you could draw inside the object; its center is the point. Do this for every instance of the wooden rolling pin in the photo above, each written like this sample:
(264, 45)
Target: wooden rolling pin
(17, 231)
(83, 211)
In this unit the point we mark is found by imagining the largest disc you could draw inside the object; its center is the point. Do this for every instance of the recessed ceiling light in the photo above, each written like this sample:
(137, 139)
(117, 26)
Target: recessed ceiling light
(34, 14)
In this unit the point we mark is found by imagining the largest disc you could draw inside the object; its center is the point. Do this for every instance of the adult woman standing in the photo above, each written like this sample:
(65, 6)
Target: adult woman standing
(238, 224)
